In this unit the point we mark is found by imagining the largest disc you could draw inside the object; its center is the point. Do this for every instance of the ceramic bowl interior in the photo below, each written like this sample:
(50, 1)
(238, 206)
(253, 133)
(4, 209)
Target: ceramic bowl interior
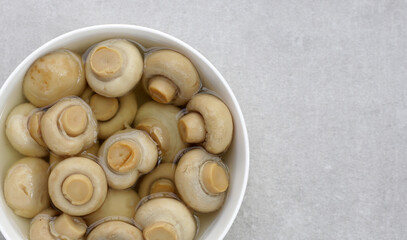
(212, 226)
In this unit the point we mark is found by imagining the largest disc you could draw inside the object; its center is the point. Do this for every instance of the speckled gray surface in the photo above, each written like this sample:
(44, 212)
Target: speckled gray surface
(322, 85)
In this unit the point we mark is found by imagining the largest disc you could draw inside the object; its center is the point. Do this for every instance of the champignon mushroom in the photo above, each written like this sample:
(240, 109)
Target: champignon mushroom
(39, 227)
(209, 122)
(45, 226)
(25, 187)
(161, 179)
(53, 76)
(23, 130)
(117, 203)
(69, 127)
(125, 155)
(160, 122)
(114, 230)
(201, 180)
(165, 218)
(170, 77)
(77, 186)
(91, 153)
(113, 114)
(113, 67)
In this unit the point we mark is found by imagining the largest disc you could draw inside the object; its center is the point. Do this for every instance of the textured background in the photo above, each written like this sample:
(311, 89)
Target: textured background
(322, 85)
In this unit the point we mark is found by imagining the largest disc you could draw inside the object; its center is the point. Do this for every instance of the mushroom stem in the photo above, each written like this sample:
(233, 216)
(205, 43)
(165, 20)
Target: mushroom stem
(77, 189)
(161, 89)
(160, 230)
(162, 185)
(35, 129)
(67, 226)
(105, 61)
(74, 120)
(123, 156)
(214, 178)
(103, 107)
(192, 128)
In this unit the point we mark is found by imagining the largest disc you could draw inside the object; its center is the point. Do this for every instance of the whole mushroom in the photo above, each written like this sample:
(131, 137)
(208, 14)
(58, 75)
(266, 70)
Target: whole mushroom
(202, 180)
(170, 77)
(25, 187)
(209, 122)
(114, 67)
(53, 76)
(45, 226)
(165, 218)
(69, 127)
(23, 130)
(118, 203)
(113, 114)
(125, 155)
(160, 122)
(77, 186)
(115, 230)
(161, 179)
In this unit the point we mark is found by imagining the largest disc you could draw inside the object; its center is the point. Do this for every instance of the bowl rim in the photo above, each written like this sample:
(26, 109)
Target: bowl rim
(130, 27)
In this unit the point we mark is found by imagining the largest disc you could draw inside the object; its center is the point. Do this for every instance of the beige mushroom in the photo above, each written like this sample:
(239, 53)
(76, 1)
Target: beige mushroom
(69, 127)
(114, 67)
(45, 226)
(165, 218)
(202, 180)
(25, 187)
(23, 130)
(170, 77)
(120, 203)
(56, 75)
(161, 179)
(113, 114)
(91, 153)
(39, 227)
(115, 230)
(77, 186)
(160, 121)
(125, 155)
(209, 122)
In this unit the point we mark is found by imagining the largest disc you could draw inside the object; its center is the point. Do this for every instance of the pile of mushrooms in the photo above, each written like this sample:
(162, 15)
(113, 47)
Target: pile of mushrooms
(105, 179)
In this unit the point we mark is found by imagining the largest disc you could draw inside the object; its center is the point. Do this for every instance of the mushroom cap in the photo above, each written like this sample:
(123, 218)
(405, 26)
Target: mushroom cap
(218, 121)
(177, 69)
(18, 133)
(142, 159)
(160, 121)
(113, 67)
(25, 187)
(117, 203)
(190, 182)
(114, 230)
(54, 76)
(167, 215)
(77, 186)
(164, 171)
(123, 117)
(39, 227)
(81, 124)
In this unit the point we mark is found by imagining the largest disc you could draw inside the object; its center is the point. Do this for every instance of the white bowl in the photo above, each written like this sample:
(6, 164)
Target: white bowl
(213, 226)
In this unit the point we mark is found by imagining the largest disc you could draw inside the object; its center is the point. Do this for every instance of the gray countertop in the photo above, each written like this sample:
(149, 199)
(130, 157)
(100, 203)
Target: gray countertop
(322, 85)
